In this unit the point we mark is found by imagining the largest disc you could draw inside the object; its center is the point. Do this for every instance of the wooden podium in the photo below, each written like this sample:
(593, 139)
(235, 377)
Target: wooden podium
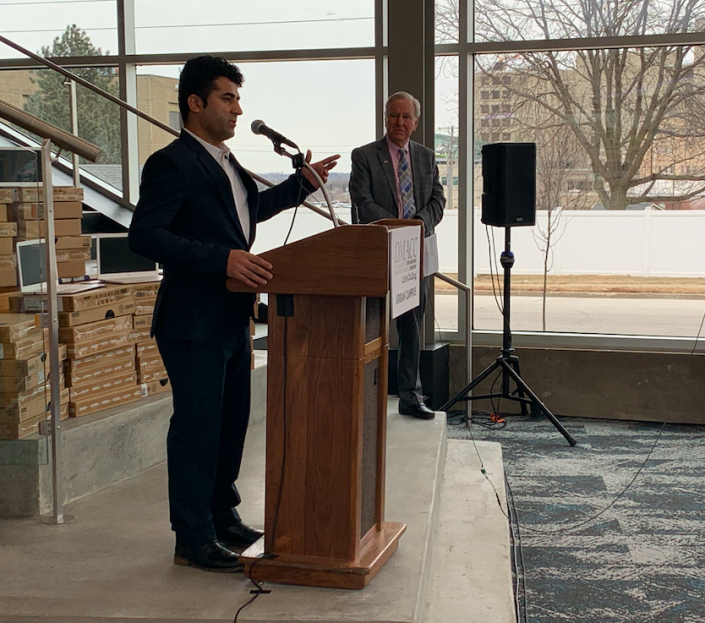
(326, 411)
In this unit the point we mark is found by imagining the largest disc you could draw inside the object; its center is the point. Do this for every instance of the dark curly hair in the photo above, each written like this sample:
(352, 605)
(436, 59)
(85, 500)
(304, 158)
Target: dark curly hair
(198, 77)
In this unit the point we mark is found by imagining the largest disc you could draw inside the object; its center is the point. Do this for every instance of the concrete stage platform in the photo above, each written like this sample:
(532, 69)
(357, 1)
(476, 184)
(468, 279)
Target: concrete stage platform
(113, 562)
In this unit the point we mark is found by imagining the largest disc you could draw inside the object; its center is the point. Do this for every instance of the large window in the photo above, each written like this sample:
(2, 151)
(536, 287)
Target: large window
(447, 142)
(35, 24)
(519, 20)
(330, 109)
(620, 178)
(218, 25)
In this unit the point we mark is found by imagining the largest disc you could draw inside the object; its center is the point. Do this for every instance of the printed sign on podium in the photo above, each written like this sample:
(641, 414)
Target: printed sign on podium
(404, 268)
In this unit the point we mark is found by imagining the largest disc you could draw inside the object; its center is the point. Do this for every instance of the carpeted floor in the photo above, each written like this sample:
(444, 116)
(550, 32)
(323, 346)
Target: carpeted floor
(643, 559)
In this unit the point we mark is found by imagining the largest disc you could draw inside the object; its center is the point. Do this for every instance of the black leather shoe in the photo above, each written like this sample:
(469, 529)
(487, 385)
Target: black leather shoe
(420, 411)
(238, 534)
(209, 557)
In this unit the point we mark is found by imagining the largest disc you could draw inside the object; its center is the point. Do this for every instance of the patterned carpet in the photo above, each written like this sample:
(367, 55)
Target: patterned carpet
(641, 560)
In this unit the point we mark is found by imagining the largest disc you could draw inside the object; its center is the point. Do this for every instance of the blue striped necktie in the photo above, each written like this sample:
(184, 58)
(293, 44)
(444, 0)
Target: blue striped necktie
(405, 186)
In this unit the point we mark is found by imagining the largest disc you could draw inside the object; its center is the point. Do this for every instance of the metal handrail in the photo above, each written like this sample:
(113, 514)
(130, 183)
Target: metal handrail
(60, 138)
(136, 111)
(454, 282)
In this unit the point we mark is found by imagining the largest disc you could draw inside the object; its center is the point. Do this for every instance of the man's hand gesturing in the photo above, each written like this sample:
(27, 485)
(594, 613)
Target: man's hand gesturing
(251, 269)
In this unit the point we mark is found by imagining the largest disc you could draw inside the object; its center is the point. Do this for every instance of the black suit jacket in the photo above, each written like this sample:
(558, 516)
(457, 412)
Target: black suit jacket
(373, 187)
(186, 220)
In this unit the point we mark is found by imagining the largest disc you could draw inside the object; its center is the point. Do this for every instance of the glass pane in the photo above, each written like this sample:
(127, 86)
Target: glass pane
(325, 125)
(216, 25)
(518, 20)
(39, 26)
(446, 298)
(620, 189)
(43, 94)
(447, 18)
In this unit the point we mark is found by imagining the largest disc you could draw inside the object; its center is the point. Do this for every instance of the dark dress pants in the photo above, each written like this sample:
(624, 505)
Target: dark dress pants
(409, 326)
(210, 381)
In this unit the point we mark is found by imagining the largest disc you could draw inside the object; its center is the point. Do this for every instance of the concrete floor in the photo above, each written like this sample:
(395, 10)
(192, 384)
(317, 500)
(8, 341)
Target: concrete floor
(113, 561)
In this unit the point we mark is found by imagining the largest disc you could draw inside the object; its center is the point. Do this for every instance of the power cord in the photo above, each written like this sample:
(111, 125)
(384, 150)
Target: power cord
(697, 336)
(259, 590)
(589, 519)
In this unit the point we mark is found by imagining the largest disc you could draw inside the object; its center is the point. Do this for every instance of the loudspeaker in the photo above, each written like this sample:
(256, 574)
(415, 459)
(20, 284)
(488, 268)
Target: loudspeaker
(509, 184)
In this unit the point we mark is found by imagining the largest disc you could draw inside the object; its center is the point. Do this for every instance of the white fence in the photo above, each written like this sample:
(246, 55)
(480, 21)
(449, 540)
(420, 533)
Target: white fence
(648, 243)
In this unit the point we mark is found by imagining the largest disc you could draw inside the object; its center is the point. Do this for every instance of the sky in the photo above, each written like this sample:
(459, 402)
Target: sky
(325, 106)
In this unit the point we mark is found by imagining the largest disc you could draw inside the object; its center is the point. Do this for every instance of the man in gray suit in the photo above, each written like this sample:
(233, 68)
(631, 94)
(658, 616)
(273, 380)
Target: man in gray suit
(398, 178)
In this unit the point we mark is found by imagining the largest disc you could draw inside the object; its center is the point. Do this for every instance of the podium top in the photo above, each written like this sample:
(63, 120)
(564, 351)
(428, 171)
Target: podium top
(352, 260)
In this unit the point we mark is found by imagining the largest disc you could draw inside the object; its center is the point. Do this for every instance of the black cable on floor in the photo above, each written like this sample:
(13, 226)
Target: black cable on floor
(589, 519)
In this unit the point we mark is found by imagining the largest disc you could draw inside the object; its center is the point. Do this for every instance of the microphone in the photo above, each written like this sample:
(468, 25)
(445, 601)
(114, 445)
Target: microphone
(259, 127)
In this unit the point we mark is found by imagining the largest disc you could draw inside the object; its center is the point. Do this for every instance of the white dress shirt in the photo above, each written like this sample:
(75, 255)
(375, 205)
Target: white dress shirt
(221, 154)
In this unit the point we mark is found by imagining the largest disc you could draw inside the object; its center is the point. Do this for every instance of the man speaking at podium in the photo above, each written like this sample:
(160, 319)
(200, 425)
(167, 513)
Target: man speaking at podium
(395, 177)
(196, 215)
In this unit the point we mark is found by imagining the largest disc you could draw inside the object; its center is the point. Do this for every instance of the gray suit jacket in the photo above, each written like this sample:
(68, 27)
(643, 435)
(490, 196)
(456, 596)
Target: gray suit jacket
(373, 185)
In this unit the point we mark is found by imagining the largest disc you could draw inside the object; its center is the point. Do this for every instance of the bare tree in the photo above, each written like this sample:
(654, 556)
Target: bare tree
(637, 113)
(559, 188)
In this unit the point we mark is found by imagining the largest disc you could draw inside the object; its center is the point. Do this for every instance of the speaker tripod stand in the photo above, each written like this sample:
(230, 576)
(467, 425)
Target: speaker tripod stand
(508, 362)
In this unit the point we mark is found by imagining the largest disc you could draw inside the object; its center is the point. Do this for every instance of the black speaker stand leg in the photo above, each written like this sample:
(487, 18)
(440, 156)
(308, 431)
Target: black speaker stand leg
(521, 385)
(508, 362)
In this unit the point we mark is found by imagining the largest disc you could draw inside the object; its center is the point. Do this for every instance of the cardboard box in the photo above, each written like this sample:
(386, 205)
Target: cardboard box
(68, 270)
(103, 359)
(155, 387)
(23, 349)
(145, 291)
(25, 367)
(5, 301)
(73, 255)
(151, 375)
(15, 414)
(144, 349)
(142, 323)
(94, 298)
(4, 213)
(32, 194)
(99, 345)
(8, 230)
(102, 385)
(21, 383)
(149, 365)
(35, 211)
(30, 426)
(106, 400)
(8, 277)
(21, 430)
(8, 261)
(31, 230)
(23, 398)
(143, 310)
(140, 336)
(87, 376)
(71, 319)
(8, 195)
(94, 330)
(14, 327)
(73, 242)
(7, 246)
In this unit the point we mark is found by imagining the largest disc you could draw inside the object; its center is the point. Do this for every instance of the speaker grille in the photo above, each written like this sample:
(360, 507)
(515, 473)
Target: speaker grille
(369, 448)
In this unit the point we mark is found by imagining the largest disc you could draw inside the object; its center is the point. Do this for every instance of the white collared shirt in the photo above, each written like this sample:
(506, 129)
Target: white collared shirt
(221, 154)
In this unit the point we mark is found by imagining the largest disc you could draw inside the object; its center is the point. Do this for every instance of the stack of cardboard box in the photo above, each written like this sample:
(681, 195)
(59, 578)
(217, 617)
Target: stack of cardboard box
(96, 327)
(24, 370)
(151, 373)
(8, 229)
(72, 249)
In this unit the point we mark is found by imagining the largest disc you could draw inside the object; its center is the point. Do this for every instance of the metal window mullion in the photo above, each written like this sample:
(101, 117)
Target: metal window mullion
(53, 325)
